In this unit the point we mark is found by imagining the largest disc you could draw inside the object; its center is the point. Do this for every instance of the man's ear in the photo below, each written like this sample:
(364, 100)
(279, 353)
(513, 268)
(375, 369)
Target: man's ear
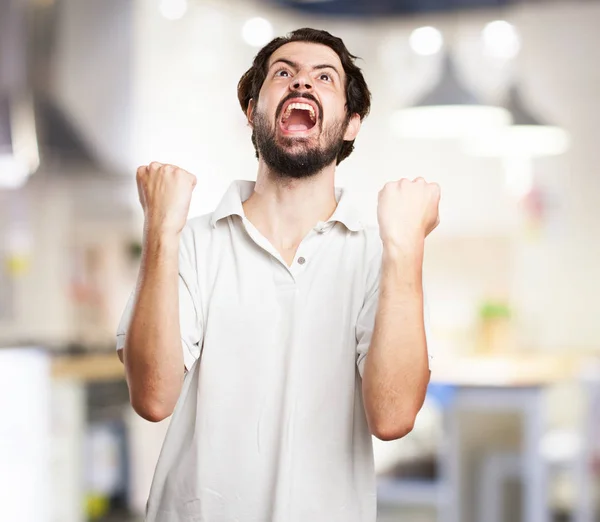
(250, 112)
(353, 128)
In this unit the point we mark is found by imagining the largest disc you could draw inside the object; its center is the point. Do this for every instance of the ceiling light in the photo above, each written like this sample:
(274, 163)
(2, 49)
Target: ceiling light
(173, 9)
(501, 40)
(426, 41)
(257, 32)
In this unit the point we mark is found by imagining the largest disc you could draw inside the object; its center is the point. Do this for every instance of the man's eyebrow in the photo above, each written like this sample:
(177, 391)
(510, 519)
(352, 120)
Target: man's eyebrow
(327, 66)
(293, 65)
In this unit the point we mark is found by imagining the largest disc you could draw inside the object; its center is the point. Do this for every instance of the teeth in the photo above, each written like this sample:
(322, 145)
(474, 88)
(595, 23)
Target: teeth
(300, 107)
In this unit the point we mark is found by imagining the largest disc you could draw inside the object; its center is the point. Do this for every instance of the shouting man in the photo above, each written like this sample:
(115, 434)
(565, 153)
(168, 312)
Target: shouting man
(279, 331)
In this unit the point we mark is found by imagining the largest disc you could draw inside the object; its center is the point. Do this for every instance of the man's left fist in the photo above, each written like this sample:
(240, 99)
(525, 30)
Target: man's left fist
(408, 210)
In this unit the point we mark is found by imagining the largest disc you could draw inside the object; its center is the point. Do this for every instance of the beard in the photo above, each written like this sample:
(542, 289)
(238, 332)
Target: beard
(306, 159)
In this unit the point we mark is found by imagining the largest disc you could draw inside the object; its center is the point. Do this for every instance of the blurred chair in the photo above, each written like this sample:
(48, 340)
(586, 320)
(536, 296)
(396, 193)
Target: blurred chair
(586, 464)
(578, 451)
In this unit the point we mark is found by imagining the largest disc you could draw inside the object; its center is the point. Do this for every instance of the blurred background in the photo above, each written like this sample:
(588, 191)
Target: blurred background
(498, 101)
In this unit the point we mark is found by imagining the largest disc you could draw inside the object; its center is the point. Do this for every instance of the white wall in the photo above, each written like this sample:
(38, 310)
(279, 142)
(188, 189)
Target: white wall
(40, 310)
(557, 280)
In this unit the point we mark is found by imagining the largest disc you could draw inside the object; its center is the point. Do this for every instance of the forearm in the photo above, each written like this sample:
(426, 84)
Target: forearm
(396, 370)
(152, 355)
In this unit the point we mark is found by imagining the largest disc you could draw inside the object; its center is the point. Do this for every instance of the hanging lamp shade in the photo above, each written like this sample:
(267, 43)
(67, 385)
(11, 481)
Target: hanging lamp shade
(19, 155)
(448, 111)
(528, 136)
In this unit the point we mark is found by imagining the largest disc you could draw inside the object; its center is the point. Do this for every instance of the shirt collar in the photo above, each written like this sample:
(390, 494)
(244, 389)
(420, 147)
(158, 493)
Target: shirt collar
(240, 190)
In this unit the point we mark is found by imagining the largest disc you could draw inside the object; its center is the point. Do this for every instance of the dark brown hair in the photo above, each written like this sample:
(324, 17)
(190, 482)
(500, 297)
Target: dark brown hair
(358, 97)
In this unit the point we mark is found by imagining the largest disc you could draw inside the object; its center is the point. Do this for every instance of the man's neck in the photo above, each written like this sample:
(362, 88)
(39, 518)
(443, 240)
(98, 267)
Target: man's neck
(284, 210)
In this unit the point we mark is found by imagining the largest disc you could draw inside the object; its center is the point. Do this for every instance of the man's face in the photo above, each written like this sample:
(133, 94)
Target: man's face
(300, 120)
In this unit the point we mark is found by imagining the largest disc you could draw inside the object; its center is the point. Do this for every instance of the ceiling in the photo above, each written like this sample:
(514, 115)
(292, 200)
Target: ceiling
(372, 8)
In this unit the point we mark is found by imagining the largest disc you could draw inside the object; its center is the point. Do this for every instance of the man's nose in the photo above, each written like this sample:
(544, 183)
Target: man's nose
(301, 82)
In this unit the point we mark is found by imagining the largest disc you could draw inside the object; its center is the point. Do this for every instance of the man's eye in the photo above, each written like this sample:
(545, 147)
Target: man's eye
(325, 77)
(283, 73)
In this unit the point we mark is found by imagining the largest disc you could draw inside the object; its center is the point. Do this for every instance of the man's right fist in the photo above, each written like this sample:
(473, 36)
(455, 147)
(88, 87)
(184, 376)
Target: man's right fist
(165, 193)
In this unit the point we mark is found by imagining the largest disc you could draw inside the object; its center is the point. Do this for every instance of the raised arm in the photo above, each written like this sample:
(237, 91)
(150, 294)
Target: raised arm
(396, 371)
(152, 352)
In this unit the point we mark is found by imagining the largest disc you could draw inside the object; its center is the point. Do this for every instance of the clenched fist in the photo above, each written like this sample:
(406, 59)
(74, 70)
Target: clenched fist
(165, 193)
(408, 211)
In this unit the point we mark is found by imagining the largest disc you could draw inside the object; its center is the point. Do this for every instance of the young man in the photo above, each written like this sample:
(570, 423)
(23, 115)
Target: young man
(279, 331)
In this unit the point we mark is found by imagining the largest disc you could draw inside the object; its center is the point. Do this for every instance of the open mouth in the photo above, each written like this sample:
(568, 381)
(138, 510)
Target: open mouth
(298, 117)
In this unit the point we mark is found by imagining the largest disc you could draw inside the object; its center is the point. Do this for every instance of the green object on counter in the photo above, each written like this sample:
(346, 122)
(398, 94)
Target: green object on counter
(494, 310)
(97, 506)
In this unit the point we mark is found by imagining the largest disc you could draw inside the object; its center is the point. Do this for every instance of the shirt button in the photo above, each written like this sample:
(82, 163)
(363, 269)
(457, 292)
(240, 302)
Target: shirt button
(301, 260)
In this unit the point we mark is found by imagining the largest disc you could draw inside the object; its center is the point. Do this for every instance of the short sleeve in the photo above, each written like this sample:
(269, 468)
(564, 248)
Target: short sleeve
(366, 318)
(190, 311)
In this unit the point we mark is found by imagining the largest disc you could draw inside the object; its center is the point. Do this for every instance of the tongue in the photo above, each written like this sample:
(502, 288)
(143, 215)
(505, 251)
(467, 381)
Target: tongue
(298, 121)
(297, 127)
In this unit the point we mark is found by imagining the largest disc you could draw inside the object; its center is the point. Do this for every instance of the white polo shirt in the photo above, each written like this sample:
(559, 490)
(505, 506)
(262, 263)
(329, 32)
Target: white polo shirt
(270, 425)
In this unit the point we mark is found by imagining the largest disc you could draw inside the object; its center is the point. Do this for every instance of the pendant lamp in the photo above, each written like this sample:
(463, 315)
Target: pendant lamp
(528, 136)
(448, 111)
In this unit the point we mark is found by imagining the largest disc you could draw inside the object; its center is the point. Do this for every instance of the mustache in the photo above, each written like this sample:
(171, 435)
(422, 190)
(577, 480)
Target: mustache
(293, 95)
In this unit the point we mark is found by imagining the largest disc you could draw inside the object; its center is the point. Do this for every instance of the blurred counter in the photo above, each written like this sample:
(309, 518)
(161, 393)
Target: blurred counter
(89, 368)
(518, 370)
(482, 370)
